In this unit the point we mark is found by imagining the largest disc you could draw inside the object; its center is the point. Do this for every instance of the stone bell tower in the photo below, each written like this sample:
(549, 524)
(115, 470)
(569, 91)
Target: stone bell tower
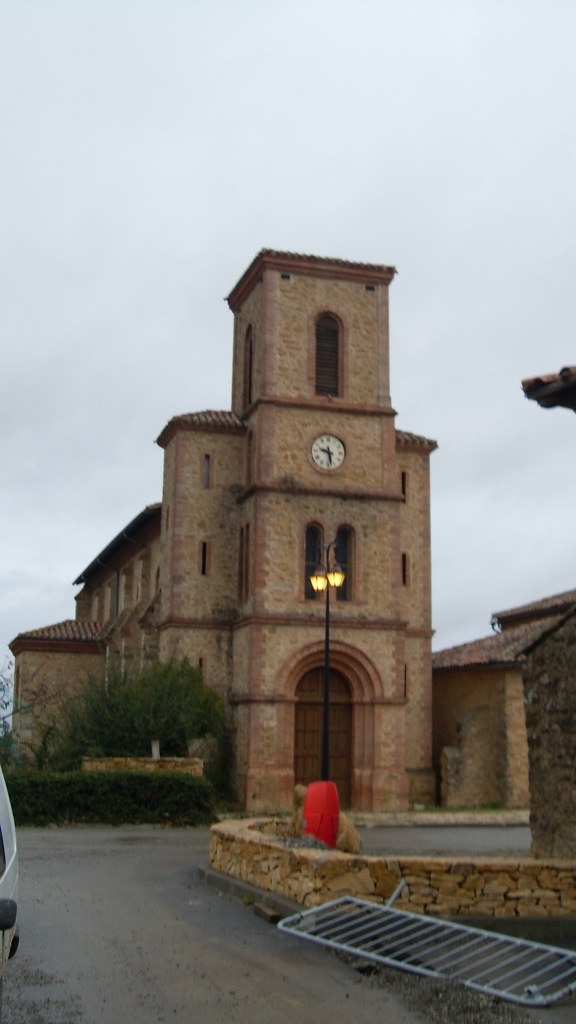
(323, 461)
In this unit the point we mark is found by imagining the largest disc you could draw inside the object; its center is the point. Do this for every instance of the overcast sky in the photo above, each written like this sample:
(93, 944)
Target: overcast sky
(150, 148)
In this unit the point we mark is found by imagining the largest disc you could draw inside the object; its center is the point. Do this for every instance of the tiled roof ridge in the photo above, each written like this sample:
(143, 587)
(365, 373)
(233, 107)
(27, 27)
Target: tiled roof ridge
(546, 605)
(301, 263)
(565, 374)
(405, 437)
(68, 629)
(506, 647)
(553, 390)
(218, 417)
(222, 419)
(308, 258)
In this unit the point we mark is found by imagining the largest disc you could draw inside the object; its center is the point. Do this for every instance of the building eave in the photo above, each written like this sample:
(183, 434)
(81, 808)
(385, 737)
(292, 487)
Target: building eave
(209, 421)
(102, 560)
(310, 266)
(70, 637)
(553, 390)
(45, 645)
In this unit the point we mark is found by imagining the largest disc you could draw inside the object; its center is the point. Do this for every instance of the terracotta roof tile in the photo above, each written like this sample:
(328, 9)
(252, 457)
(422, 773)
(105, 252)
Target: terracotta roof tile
(404, 439)
(69, 629)
(208, 419)
(534, 383)
(305, 258)
(536, 609)
(299, 263)
(499, 649)
(553, 389)
(212, 418)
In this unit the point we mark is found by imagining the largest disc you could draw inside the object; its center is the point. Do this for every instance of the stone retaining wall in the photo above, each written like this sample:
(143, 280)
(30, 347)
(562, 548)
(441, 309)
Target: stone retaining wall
(188, 765)
(249, 850)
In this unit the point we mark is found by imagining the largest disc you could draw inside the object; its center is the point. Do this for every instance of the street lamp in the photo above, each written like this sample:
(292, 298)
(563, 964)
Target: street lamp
(327, 574)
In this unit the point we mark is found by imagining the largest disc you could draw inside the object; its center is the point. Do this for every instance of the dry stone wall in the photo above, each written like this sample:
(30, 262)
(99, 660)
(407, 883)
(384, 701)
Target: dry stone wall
(188, 765)
(249, 850)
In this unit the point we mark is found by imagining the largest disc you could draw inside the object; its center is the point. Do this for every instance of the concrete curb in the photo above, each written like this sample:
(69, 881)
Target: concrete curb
(246, 893)
(375, 819)
(438, 818)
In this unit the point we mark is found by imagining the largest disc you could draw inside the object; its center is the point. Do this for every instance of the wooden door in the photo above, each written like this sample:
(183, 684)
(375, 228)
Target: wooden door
(308, 732)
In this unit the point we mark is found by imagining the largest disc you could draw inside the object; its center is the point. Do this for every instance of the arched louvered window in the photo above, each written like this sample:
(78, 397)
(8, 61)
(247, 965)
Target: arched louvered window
(312, 551)
(344, 557)
(327, 355)
(248, 366)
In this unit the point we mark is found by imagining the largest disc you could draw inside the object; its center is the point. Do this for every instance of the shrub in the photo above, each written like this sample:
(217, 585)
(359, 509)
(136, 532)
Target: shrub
(119, 716)
(113, 798)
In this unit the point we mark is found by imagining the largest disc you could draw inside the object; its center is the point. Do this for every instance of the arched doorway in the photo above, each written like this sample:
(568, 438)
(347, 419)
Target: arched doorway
(308, 731)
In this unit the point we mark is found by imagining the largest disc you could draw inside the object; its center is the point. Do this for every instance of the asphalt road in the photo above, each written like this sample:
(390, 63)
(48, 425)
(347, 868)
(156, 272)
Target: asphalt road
(117, 929)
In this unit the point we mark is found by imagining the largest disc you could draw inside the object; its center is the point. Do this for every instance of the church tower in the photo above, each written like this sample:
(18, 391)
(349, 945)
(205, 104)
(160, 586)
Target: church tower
(308, 455)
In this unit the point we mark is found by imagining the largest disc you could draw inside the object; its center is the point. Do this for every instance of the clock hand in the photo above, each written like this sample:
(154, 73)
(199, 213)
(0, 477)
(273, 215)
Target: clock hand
(328, 452)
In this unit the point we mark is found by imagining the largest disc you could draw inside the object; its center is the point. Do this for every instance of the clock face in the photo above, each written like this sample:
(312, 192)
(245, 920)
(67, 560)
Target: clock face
(328, 451)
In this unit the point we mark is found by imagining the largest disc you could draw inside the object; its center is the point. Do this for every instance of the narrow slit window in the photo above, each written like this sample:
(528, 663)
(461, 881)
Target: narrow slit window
(327, 356)
(248, 366)
(244, 563)
(344, 544)
(249, 458)
(246, 573)
(241, 566)
(207, 472)
(204, 558)
(405, 569)
(312, 550)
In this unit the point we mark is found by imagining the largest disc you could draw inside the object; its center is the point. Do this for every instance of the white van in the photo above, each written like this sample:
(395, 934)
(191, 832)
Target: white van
(8, 881)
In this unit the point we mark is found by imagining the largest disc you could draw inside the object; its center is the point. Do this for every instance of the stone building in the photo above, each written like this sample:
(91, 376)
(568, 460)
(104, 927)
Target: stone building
(307, 455)
(481, 690)
(116, 614)
(550, 691)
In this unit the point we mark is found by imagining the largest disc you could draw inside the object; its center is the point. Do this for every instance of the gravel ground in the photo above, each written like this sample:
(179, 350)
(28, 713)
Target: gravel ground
(439, 1002)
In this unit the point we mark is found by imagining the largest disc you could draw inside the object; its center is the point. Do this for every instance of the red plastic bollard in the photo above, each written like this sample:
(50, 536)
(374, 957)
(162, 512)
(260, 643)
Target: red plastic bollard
(322, 812)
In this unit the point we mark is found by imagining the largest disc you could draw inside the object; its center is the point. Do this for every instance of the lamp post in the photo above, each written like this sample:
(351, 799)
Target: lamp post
(327, 574)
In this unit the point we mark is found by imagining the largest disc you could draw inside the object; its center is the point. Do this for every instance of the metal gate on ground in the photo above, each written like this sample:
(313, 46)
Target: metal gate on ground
(518, 970)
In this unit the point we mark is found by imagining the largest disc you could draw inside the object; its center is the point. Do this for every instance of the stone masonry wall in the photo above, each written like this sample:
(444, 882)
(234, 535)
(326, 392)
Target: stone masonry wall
(42, 676)
(550, 697)
(187, 765)
(249, 850)
(480, 748)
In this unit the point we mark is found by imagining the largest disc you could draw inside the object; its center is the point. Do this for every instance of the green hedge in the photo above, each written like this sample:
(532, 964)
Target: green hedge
(112, 798)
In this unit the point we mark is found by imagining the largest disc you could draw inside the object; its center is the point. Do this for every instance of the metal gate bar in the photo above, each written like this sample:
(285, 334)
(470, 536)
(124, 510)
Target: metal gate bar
(520, 971)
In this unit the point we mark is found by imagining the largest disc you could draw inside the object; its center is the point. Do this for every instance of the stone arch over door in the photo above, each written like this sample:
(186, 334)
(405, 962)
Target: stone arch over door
(308, 730)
